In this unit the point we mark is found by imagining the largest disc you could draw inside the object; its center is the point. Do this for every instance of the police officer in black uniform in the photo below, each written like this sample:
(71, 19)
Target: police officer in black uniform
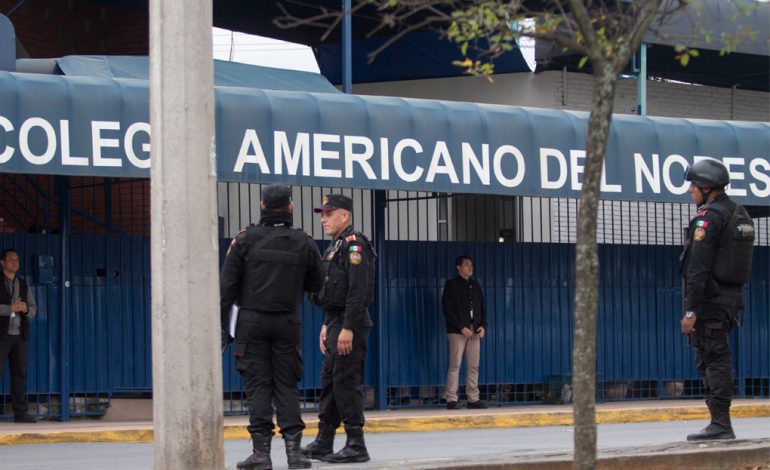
(348, 290)
(266, 271)
(715, 264)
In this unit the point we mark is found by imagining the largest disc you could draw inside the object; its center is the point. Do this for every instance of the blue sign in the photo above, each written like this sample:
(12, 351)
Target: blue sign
(100, 127)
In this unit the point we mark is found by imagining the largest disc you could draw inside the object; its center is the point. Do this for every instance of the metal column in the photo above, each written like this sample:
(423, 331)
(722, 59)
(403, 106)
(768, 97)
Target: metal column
(63, 197)
(381, 389)
(641, 82)
(347, 46)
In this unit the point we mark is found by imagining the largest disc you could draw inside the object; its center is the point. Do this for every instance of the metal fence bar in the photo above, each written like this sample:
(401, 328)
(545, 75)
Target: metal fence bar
(523, 249)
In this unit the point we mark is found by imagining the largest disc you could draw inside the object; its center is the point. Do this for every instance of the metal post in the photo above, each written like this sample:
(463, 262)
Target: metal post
(63, 197)
(641, 82)
(347, 46)
(381, 396)
(186, 354)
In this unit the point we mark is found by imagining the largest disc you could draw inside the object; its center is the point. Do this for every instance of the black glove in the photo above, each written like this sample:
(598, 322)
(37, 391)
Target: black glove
(226, 339)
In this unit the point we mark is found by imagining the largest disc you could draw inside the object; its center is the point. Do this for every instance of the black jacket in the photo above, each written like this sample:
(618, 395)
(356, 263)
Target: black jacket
(459, 298)
(349, 264)
(703, 294)
(5, 299)
(273, 277)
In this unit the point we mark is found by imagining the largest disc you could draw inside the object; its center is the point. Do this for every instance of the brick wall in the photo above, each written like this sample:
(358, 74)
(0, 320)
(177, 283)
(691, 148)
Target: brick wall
(55, 28)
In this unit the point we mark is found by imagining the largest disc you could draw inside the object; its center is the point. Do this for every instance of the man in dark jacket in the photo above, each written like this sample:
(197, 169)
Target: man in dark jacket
(466, 322)
(349, 289)
(17, 307)
(266, 271)
(715, 264)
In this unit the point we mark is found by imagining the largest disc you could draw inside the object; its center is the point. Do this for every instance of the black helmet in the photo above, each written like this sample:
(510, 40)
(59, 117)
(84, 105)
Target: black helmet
(708, 172)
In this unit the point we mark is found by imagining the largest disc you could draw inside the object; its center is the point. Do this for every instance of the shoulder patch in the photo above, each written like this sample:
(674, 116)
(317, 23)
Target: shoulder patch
(357, 248)
(699, 234)
(351, 238)
(702, 223)
(355, 257)
(701, 213)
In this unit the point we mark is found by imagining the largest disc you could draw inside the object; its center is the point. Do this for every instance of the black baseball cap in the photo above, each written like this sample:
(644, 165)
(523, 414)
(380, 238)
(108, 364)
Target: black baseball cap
(335, 201)
(276, 196)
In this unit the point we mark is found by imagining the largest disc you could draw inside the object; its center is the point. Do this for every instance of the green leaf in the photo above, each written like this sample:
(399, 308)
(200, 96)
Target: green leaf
(693, 52)
(583, 61)
(684, 60)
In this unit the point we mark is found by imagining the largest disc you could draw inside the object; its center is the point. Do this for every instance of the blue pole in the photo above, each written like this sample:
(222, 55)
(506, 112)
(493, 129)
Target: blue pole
(381, 395)
(347, 45)
(641, 82)
(63, 196)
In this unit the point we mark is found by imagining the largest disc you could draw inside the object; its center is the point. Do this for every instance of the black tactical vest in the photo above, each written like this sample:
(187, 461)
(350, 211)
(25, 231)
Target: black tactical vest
(735, 246)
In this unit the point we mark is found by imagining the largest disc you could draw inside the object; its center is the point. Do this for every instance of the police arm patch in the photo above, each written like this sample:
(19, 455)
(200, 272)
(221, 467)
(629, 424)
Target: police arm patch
(699, 234)
(351, 238)
(355, 257)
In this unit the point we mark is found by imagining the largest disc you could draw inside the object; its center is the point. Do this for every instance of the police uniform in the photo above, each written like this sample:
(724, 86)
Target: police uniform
(349, 265)
(266, 271)
(714, 265)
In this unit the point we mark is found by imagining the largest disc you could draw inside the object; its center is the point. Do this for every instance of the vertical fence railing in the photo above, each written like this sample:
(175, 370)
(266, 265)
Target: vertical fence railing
(523, 250)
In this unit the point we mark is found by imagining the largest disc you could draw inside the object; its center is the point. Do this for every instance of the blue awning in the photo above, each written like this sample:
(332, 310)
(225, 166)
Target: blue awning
(77, 125)
(225, 73)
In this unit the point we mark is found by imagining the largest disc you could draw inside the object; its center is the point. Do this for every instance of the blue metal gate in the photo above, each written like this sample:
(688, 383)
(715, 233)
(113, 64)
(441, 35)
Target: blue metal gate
(91, 339)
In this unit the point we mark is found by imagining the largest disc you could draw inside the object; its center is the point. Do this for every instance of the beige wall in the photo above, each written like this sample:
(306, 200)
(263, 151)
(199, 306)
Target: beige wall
(560, 90)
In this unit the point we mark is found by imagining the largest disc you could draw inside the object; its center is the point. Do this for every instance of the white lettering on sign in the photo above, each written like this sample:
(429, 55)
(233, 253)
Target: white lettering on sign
(651, 175)
(545, 181)
(49, 143)
(672, 187)
(406, 162)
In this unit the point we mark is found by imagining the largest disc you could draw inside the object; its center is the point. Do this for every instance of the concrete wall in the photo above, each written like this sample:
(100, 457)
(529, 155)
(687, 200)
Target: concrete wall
(572, 91)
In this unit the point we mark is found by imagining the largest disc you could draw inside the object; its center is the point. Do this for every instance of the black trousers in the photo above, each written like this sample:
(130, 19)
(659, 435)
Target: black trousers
(14, 348)
(342, 379)
(269, 360)
(715, 365)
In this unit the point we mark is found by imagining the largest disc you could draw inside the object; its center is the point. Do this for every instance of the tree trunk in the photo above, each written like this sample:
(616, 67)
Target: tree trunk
(587, 271)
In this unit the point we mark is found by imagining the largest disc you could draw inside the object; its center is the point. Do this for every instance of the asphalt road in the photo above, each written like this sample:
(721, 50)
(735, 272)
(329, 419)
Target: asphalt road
(386, 449)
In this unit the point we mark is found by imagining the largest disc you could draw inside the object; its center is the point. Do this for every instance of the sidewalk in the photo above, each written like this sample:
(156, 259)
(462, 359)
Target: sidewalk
(402, 420)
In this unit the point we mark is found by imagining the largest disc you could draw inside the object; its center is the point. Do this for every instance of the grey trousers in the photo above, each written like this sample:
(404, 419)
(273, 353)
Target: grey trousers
(470, 347)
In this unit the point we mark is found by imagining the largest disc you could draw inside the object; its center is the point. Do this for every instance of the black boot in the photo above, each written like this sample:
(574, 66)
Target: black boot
(293, 452)
(260, 459)
(323, 444)
(711, 432)
(720, 427)
(354, 450)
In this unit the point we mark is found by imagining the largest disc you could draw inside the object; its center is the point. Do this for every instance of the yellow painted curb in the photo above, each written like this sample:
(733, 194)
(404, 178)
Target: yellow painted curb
(418, 424)
(127, 435)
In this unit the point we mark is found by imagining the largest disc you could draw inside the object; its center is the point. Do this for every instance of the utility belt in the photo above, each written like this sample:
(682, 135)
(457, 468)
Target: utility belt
(254, 311)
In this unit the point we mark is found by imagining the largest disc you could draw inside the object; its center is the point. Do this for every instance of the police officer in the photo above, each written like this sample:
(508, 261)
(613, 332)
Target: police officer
(266, 270)
(348, 290)
(715, 264)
